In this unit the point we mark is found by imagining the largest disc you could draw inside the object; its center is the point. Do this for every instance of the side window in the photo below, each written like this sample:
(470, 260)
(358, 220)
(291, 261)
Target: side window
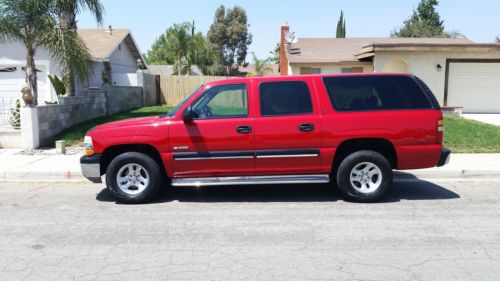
(362, 93)
(227, 101)
(285, 98)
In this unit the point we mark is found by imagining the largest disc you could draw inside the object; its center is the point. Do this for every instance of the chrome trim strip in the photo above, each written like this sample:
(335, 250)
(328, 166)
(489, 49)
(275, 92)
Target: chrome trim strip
(252, 180)
(247, 154)
(213, 158)
(287, 156)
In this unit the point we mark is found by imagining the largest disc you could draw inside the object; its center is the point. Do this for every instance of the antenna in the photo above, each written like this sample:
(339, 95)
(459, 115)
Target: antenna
(290, 39)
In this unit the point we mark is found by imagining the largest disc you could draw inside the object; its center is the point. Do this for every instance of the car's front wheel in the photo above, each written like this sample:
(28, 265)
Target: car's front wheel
(133, 177)
(364, 176)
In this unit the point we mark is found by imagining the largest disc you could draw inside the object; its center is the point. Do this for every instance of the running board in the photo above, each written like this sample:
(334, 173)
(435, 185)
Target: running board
(251, 180)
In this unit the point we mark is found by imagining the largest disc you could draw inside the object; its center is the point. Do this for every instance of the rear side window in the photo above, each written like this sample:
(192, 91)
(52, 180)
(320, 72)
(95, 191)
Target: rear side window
(361, 93)
(285, 98)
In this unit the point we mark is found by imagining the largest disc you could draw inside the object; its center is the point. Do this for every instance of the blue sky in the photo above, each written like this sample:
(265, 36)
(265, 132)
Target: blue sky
(479, 20)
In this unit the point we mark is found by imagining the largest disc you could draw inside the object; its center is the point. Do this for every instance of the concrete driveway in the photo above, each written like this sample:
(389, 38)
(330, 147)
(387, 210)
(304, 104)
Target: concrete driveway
(493, 119)
(444, 230)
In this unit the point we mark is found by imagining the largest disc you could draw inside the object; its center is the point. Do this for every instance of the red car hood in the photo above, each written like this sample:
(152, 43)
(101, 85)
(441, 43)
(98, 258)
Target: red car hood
(129, 122)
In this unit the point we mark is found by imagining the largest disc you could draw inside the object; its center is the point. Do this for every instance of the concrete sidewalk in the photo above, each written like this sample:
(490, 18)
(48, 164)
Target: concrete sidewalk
(51, 167)
(15, 166)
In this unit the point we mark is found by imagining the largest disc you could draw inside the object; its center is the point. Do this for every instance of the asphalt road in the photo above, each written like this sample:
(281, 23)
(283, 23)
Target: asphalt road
(446, 230)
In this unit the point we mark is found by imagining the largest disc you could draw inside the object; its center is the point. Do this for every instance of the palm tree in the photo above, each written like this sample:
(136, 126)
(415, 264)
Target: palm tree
(67, 11)
(275, 54)
(261, 66)
(199, 53)
(34, 23)
(177, 40)
(182, 46)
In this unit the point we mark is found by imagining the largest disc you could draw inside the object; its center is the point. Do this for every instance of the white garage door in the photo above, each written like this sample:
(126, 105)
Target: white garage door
(475, 86)
(12, 79)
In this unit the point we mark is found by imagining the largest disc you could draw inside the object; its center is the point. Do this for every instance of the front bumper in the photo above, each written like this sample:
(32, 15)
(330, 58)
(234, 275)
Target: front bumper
(445, 157)
(91, 167)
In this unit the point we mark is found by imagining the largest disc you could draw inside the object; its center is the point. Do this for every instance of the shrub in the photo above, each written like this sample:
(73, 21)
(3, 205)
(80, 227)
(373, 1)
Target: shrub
(58, 85)
(15, 115)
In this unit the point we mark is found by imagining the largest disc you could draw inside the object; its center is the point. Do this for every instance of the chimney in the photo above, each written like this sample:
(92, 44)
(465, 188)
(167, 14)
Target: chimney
(283, 56)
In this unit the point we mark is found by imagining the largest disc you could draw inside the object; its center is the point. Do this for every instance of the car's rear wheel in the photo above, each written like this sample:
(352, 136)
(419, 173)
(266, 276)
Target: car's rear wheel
(133, 177)
(364, 176)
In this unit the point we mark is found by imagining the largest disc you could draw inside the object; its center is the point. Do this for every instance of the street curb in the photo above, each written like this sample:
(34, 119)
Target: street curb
(449, 174)
(77, 176)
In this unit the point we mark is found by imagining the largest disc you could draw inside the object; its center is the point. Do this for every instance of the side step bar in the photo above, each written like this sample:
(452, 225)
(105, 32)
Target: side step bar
(251, 180)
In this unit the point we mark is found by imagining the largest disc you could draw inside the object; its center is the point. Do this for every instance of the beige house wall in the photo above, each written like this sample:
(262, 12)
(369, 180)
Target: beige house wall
(424, 65)
(294, 69)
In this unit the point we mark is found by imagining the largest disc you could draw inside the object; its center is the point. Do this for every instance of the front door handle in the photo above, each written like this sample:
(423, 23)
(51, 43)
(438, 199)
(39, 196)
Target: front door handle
(244, 129)
(306, 127)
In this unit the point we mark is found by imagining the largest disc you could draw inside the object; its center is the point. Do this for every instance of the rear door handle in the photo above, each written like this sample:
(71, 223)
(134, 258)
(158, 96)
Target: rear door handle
(244, 129)
(306, 127)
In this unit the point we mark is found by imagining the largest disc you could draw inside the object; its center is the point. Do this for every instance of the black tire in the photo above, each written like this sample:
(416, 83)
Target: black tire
(153, 173)
(351, 191)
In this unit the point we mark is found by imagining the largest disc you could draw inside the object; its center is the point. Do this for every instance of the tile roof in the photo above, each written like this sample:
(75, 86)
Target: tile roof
(333, 50)
(101, 43)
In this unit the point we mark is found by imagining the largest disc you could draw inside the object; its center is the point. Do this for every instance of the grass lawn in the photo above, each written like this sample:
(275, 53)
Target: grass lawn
(468, 136)
(75, 134)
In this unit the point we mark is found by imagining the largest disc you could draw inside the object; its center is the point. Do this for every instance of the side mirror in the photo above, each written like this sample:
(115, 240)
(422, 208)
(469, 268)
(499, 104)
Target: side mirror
(189, 114)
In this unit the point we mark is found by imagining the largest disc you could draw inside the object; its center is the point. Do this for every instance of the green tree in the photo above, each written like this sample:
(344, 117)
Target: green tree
(67, 10)
(199, 53)
(341, 26)
(177, 43)
(261, 66)
(275, 54)
(424, 22)
(159, 54)
(230, 38)
(183, 47)
(35, 23)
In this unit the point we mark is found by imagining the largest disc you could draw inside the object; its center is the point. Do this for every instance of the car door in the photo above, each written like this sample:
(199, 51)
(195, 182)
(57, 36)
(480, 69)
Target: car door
(219, 140)
(288, 127)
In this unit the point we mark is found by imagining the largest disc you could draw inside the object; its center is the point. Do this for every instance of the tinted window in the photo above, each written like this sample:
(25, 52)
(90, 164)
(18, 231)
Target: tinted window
(228, 101)
(284, 98)
(359, 93)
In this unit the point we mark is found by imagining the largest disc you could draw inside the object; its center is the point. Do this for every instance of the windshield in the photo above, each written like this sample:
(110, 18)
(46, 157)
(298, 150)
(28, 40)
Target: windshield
(174, 111)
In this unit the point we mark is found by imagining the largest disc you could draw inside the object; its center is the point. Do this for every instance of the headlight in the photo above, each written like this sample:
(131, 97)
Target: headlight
(88, 146)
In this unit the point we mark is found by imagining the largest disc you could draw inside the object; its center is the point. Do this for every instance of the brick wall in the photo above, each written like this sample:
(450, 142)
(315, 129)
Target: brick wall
(40, 124)
(149, 85)
(122, 98)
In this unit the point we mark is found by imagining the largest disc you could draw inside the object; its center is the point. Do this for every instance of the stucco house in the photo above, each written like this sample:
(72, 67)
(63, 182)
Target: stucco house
(459, 71)
(114, 46)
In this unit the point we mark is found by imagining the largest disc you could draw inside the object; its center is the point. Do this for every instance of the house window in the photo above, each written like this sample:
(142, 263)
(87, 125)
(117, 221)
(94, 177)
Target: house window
(310, 70)
(8, 69)
(352, 70)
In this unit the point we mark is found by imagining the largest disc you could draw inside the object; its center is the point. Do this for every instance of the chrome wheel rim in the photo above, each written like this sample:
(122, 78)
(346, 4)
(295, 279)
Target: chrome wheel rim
(132, 179)
(366, 177)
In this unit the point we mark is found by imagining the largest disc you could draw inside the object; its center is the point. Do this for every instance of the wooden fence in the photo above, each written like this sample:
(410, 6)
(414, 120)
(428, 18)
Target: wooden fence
(175, 88)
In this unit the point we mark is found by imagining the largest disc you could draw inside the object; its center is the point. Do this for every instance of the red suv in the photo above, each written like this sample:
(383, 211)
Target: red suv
(347, 130)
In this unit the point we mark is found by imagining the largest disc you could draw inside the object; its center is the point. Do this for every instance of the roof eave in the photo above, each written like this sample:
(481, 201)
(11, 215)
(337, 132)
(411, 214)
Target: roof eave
(425, 47)
(138, 51)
